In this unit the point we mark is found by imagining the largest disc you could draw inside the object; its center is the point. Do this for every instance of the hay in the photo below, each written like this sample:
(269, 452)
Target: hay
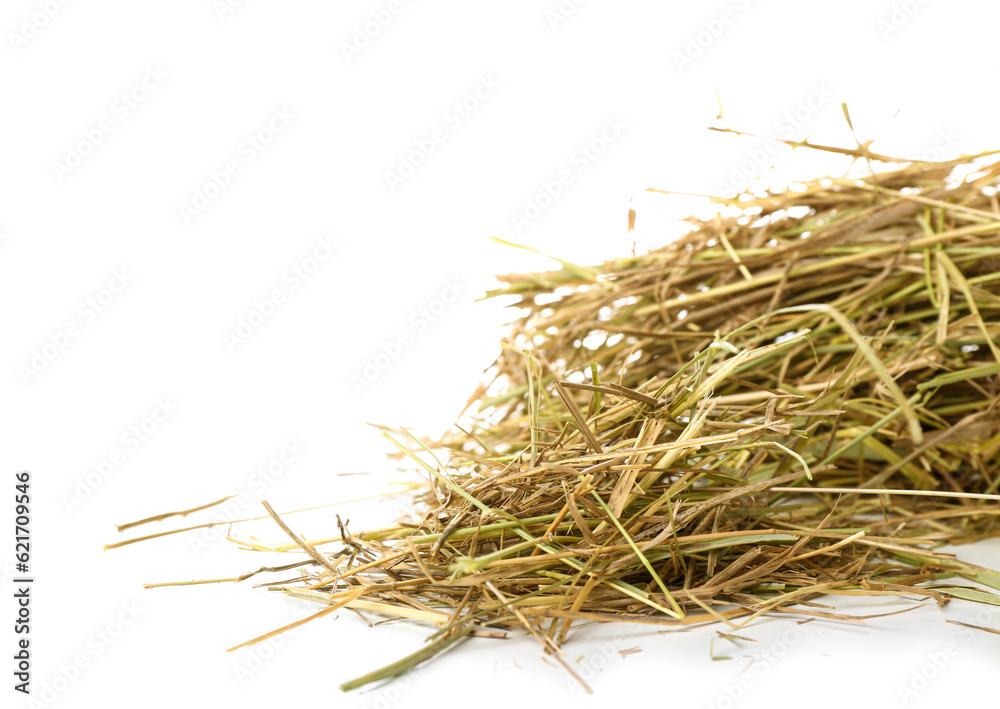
(798, 398)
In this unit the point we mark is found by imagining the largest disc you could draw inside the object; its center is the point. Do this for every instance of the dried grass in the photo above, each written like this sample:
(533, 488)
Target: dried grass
(798, 398)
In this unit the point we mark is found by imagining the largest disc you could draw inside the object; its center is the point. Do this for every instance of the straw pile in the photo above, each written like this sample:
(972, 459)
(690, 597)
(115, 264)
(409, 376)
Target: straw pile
(799, 397)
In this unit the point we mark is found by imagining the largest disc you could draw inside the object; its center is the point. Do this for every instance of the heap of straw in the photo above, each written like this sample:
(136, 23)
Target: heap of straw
(799, 397)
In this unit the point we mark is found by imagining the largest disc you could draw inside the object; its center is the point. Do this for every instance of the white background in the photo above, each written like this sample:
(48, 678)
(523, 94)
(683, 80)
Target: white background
(78, 207)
